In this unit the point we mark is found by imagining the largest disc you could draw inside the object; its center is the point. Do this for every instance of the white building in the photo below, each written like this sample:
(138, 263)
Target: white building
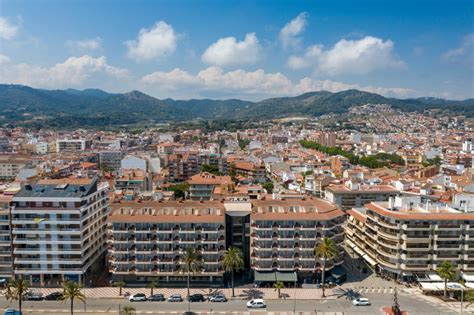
(59, 230)
(72, 145)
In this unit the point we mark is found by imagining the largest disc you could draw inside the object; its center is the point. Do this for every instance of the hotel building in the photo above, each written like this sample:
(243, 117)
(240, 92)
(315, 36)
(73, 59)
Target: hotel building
(59, 229)
(277, 235)
(405, 237)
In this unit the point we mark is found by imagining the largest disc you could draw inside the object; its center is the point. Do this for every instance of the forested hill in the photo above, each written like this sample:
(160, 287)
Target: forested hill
(23, 105)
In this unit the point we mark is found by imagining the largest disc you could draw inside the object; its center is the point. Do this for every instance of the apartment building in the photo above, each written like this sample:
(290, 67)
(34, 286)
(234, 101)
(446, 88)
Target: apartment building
(146, 239)
(6, 270)
(284, 232)
(10, 167)
(72, 145)
(203, 185)
(405, 237)
(59, 229)
(354, 194)
(111, 159)
(277, 235)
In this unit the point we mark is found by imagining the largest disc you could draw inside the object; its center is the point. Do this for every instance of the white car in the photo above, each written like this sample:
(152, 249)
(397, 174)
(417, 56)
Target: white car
(256, 303)
(139, 297)
(360, 302)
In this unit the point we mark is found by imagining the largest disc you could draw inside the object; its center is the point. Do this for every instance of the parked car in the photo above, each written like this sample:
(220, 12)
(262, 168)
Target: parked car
(11, 311)
(218, 298)
(256, 303)
(361, 302)
(33, 296)
(139, 297)
(197, 298)
(156, 298)
(55, 296)
(175, 298)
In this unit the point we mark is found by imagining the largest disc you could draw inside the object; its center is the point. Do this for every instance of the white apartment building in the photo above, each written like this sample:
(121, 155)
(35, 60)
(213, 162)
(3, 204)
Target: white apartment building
(59, 229)
(405, 237)
(72, 145)
(10, 167)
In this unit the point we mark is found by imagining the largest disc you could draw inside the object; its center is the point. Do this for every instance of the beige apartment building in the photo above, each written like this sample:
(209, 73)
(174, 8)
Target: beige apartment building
(276, 233)
(285, 231)
(147, 239)
(405, 237)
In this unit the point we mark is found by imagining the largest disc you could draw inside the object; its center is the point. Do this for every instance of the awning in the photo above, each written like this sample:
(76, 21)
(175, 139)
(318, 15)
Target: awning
(338, 272)
(467, 276)
(359, 251)
(286, 276)
(434, 277)
(439, 286)
(265, 276)
(470, 285)
(368, 259)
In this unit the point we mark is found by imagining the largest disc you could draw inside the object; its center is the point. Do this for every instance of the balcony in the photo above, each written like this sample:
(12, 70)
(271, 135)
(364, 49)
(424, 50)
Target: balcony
(447, 237)
(389, 225)
(440, 227)
(416, 267)
(392, 236)
(410, 227)
(417, 238)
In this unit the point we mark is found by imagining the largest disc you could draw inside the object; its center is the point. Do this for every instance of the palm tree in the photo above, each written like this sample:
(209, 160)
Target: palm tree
(232, 261)
(151, 286)
(120, 285)
(16, 289)
(327, 249)
(278, 286)
(447, 272)
(190, 262)
(128, 310)
(72, 291)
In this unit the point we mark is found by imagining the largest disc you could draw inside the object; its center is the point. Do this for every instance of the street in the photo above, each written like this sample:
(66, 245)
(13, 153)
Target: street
(328, 306)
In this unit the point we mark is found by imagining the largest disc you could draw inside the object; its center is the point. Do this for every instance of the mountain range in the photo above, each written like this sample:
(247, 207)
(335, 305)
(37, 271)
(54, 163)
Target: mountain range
(26, 106)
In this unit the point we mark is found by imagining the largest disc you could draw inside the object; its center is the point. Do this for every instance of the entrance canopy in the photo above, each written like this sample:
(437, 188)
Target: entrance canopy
(439, 286)
(275, 276)
(338, 272)
(265, 276)
(286, 276)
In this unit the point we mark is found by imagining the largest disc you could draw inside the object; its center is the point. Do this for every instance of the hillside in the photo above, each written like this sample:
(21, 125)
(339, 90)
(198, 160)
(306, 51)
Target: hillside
(23, 105)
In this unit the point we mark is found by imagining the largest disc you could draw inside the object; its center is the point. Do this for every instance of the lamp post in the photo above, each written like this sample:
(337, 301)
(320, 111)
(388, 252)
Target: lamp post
(294, 299)
(462, 299)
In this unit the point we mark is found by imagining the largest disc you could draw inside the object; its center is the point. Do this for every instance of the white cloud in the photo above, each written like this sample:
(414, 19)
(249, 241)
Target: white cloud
(153, 43)
(4, 59)
(289, 33)
(466, 50)
(348, 57)
(258, 83)
(85, 44)
(74, 71)
(229, 52)
(7, 29)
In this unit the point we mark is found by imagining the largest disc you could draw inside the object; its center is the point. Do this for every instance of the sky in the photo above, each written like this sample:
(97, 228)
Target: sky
(240, 49)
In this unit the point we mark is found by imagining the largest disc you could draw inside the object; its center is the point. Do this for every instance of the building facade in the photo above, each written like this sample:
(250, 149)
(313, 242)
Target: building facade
(405, 237)
(59, 229)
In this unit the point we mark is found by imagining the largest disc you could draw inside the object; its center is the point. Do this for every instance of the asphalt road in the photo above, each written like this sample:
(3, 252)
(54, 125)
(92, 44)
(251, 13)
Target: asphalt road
(341, 305)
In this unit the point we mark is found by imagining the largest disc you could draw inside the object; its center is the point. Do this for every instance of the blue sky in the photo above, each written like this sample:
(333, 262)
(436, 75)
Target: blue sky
(245, 49)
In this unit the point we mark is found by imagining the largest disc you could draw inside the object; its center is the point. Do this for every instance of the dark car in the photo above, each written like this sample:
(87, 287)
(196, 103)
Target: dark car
(33, 296)
(55, 296)
(156, 298)
(175, 298)
(196, 298)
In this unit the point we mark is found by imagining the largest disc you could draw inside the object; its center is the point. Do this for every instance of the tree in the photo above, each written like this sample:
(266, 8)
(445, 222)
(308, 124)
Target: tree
(72, 291)
(268, 186)
(179, 190)
(447, 272)
(232, 261)
(212, 169)
(190, 262)
(151, 286)
(243, 143)
(16, 289)
(278, 286)
(327, 249)
(120, 285)
(128, 310)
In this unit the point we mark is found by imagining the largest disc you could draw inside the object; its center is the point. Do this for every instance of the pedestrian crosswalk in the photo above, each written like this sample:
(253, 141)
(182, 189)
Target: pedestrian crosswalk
(376, 290)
